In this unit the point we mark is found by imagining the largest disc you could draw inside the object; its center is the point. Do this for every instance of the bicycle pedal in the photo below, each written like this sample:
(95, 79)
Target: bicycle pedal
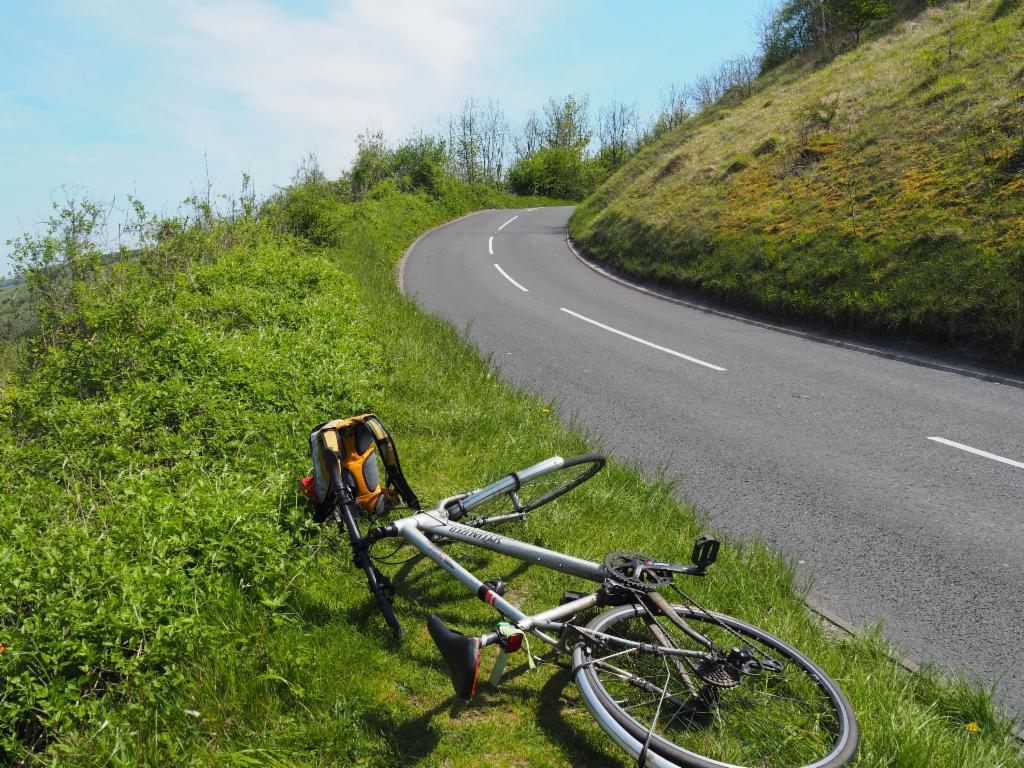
(568, 597)
(705, 552)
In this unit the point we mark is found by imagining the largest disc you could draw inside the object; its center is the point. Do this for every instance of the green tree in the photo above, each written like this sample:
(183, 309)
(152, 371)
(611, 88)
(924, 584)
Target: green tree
(419, 163)
(857, 15)
(618, 133)
(797, 26)
(59, 264)
(567, 123)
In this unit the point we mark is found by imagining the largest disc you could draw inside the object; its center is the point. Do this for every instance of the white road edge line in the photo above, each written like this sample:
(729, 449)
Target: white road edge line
(490, 245)
(637, 339)
(508, 222)
(978, 451)
(506, 276)
(531, 209)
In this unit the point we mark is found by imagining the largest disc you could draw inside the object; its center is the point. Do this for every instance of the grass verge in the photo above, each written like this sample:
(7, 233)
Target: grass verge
(165, 600)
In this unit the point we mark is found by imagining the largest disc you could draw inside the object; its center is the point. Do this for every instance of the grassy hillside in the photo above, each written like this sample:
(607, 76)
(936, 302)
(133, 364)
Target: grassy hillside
(164, 599)
(882, 192)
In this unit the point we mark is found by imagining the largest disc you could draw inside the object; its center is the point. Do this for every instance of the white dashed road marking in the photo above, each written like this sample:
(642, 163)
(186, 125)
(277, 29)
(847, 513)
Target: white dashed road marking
(506, 276)
(637, 339)
(979, 452)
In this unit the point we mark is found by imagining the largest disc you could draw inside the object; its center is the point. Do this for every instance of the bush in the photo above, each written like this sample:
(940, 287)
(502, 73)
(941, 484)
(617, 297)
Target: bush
(557, 172)
(417, 164)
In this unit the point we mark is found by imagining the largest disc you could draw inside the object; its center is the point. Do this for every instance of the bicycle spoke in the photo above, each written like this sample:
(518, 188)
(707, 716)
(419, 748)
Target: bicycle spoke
(638, 704)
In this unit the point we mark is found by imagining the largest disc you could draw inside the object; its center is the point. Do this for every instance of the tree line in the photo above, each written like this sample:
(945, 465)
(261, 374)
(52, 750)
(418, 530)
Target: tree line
(563, 150)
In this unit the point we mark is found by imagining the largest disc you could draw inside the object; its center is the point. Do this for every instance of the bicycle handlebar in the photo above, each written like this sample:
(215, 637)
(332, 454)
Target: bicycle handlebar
(509, 484)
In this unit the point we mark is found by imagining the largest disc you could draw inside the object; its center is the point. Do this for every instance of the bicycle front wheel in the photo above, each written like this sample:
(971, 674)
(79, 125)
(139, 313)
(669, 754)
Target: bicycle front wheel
(781, 710)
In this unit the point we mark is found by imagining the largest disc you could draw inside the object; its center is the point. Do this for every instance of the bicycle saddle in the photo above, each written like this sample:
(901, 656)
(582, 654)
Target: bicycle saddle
(461, 654)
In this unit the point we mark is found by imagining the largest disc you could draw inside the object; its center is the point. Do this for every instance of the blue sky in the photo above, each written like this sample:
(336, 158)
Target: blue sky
(110, 98)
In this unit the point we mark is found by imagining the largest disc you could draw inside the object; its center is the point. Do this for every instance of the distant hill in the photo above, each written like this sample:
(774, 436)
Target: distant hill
(882, 192)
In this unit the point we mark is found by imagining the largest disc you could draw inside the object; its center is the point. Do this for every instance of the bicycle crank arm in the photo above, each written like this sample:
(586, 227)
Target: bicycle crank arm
(688, 570)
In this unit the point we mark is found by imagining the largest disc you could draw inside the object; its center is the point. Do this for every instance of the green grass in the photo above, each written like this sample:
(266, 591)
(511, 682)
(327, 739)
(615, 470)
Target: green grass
(165, 601)
(883, 192)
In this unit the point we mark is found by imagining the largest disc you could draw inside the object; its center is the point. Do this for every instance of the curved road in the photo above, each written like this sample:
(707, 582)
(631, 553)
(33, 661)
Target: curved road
(899, 489)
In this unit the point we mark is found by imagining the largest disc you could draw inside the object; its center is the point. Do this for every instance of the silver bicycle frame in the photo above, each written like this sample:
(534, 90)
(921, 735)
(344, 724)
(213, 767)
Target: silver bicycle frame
(421, 528)
(418, 530)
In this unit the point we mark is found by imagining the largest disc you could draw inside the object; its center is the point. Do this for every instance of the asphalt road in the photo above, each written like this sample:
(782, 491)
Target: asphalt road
(826, 453)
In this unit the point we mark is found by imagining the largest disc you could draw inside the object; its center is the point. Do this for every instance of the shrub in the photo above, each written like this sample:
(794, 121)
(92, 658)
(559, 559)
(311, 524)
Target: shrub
(558, 172)
(419, 164)
(816, 115)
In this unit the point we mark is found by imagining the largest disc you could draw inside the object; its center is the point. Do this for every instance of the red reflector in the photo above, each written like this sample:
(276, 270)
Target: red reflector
(307, 486)
(514, 642)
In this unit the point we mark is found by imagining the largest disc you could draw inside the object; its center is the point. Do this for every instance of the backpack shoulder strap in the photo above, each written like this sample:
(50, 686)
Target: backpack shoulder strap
(389, 455)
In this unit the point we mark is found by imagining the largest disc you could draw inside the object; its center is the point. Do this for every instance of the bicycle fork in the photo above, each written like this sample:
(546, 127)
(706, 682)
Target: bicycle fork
(345, 510)
(379, 584)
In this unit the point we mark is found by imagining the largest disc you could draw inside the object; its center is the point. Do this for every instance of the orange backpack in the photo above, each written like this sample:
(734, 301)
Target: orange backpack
(354, 445)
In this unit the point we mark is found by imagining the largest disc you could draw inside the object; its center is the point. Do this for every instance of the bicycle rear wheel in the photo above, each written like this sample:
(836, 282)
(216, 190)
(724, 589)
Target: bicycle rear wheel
(540, 485)
(792, 715)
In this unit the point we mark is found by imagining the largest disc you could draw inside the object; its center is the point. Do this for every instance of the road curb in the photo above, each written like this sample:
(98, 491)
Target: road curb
(615, 277)
(847, 628)
(400, 267)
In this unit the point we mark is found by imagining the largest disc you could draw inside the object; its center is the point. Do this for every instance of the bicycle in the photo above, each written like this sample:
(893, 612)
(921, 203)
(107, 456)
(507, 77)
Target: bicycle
(673, 684)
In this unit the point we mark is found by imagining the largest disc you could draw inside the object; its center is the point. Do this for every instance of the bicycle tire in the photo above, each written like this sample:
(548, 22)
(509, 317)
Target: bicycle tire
(543, 487)
(768, 705)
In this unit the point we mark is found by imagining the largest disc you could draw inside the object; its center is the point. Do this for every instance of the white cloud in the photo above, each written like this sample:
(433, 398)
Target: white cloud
(269, 84)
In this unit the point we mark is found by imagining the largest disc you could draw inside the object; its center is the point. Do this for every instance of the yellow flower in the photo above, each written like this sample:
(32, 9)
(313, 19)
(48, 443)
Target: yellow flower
(973, 727)
(547, 410)
(2, 647)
